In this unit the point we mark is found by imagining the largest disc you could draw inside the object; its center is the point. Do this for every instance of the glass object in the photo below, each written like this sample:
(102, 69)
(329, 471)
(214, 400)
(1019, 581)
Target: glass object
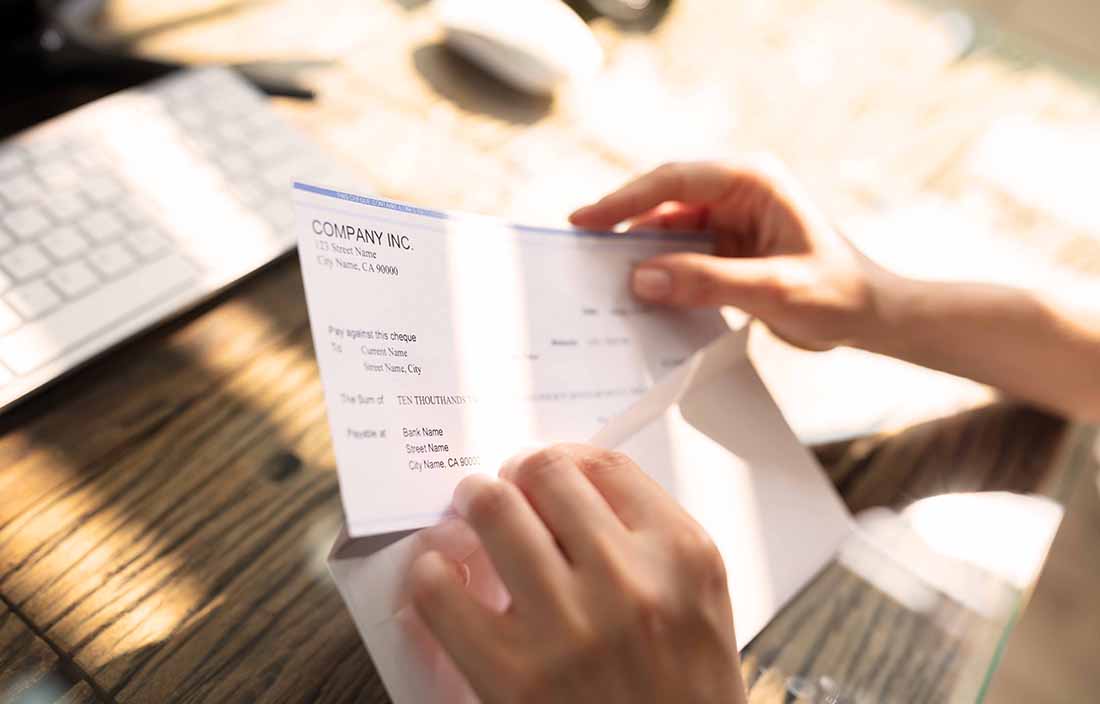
(920, 602)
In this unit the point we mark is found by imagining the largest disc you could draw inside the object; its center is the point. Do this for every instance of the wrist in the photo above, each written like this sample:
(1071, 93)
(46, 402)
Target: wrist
(890, 312)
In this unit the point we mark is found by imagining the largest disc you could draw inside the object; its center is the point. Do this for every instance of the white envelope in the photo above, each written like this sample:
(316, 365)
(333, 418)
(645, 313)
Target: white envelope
(713, 437)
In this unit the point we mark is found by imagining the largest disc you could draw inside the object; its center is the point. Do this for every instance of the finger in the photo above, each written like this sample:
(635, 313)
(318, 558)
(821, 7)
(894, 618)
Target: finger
(635, 497)
(696, 183)
(453, 538)
(700, 280)
(464, 628)
(519, 545)
(672, 216)
(576, 514)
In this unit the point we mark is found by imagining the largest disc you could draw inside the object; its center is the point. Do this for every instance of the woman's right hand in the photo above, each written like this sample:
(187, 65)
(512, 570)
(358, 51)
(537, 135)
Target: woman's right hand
(776, 255)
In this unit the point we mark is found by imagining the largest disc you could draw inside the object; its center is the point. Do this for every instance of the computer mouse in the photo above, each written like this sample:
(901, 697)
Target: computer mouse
(533, 45)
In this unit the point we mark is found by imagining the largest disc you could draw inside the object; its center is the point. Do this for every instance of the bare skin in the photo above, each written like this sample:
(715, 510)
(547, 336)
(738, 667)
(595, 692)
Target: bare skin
(617, 595)
(778, 258)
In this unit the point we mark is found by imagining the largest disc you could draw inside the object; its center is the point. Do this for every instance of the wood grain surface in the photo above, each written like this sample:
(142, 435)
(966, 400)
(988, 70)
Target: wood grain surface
(166, 510)
(24, 659)
(31, 672)
(201, 507)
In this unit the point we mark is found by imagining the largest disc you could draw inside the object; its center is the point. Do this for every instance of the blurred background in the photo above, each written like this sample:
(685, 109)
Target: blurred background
(947, 139)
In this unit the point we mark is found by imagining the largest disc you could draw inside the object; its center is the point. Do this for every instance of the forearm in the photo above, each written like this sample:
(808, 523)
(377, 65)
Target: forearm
(1032, 346)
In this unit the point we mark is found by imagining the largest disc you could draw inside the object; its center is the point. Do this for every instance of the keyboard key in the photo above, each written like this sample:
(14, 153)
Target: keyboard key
(38, 343)
(24, 261)
(136, 210)
(63, 242)
(32, 300)
(232, 133)
(205, 147)
(261, 121)
(65, 206)
(20, 188)
(268, 147)
(25, 222)
(278, 178)
(102, 189)
(87, 158)
(57, 174)
(11, 160)
(218, 83)
(112, 260)
(183, 89)
(103, 225)
(9, 319)
(235, 163)
(147, 242)
(73, 279)
(190, 117)
(251, 195)
(230, 104)
(43, 149)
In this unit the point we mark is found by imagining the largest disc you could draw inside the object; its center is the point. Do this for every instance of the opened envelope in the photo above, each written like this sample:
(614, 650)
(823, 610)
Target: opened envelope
(447, 343)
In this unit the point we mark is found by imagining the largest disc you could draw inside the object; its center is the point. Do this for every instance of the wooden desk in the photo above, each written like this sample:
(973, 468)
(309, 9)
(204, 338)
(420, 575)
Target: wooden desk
(166, 511)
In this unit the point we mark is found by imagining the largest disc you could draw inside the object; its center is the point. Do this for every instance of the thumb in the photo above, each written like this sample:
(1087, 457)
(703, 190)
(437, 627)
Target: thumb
(701, 280)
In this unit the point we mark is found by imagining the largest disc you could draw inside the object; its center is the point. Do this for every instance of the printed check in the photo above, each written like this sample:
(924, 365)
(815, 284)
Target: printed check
(447, 343)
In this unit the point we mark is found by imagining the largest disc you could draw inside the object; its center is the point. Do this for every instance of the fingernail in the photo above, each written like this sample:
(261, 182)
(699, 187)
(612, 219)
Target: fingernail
(455, 569)
(463, 572)
(652, 284)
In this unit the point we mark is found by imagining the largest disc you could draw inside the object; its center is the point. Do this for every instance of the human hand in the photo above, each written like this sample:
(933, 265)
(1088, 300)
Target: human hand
(617, 595)
(776, 255)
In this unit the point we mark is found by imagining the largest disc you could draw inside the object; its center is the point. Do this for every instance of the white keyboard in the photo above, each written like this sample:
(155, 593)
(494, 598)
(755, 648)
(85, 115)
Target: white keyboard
(124, 212)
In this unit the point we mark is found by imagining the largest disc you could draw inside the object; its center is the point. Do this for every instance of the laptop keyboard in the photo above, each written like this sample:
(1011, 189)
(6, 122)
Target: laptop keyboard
(85, 240)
